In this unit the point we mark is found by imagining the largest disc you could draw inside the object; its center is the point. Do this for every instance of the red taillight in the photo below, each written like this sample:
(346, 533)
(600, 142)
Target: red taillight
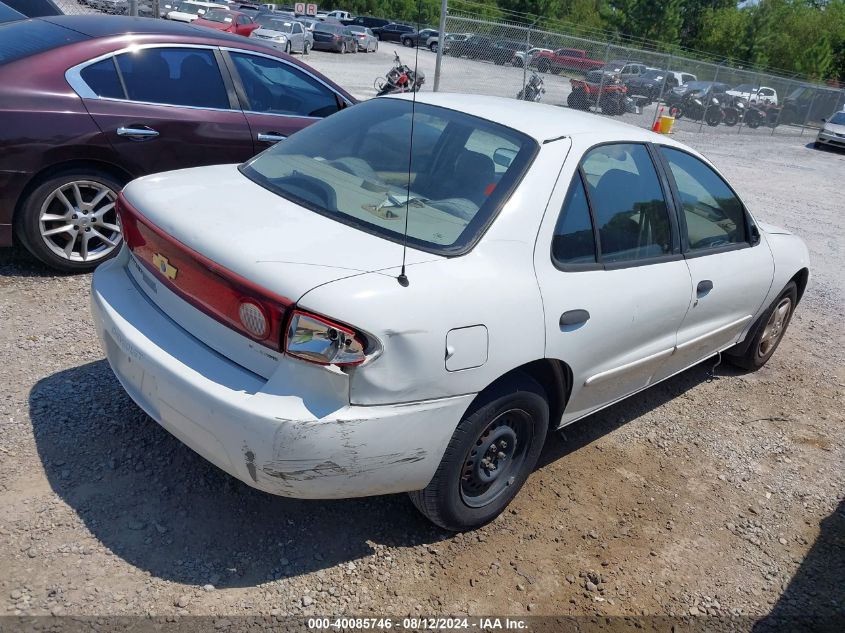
(223, 295)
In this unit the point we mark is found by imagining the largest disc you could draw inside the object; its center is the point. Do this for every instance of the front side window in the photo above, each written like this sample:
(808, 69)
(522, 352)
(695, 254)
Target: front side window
(713, 215)
(274, 87)
(173, 76)
(628, 204)
(354, 167)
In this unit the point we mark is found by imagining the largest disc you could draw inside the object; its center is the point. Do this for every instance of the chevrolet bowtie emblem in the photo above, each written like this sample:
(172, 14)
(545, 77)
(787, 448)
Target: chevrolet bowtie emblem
(164, 267)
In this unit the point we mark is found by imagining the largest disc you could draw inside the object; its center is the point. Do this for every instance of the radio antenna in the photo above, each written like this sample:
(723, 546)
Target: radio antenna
(403, 278)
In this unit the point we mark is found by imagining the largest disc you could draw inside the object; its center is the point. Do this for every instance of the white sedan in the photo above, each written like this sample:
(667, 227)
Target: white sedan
(268, 315)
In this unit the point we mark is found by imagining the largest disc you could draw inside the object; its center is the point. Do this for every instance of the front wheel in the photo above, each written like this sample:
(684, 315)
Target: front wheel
(731, 117)
(288, 48)
(343, 48)
(406, 42)
(767, 332)
(713, 116)
(578, 100)
(433, 47)
(307, 49)
(69, 221)
(491, 454)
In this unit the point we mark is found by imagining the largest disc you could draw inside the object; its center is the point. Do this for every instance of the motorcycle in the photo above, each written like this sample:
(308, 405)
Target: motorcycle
(533, 90)
(697, 106)
(733, 110)
(400, 78)
(758, 114)
(611, 97)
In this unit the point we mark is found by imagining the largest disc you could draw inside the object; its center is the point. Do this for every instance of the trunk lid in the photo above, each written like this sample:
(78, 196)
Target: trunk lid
(225, 225)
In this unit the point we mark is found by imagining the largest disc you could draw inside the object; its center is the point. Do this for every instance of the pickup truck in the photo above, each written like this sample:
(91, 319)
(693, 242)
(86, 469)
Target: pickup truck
(565, 59)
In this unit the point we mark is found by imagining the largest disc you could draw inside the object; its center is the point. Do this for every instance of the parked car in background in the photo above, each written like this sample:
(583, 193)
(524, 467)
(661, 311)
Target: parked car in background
(473, 47)
(334, 37)
(504, 51)
(75, 132)
(419, 38)
(519, 57)
(113, 7)
(616, 71)
(286, 35)
(832, 132)
(653, 83)
(392, 32)
(338, 15)
(369, 21)
(229, 21)
(755, 94)
(190, 10)
(453, 38)
(623, 258)
(367, 41)
(565, 59)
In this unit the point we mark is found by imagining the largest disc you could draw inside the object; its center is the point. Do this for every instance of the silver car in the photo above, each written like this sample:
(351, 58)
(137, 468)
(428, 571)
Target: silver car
(832, 132)
(367, 41)
(284, 34)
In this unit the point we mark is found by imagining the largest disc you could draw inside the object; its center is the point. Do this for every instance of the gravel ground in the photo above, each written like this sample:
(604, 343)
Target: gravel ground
(715, 492)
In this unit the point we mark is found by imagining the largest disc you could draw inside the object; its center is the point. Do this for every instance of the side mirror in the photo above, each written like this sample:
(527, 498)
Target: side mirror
(504, 157)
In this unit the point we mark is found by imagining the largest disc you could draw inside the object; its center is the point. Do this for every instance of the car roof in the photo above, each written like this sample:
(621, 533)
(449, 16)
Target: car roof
(540, 121)
(94, 25)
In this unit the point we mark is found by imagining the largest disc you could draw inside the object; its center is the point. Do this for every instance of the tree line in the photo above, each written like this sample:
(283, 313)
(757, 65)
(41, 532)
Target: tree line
(802, 37)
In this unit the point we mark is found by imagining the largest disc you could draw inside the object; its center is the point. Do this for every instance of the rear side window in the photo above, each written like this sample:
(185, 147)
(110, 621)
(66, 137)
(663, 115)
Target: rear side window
(277, 88)
(628, 203)
(30, 37)
(174, 76)
(103, 79)
(713, 216)
(573, 241)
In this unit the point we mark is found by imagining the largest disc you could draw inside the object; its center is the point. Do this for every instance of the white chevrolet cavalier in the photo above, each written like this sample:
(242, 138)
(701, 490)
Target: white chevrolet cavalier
(556, 263)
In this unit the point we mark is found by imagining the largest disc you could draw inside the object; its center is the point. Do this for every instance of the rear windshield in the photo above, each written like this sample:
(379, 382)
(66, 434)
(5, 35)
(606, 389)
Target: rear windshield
(354, 167)
(30, 37)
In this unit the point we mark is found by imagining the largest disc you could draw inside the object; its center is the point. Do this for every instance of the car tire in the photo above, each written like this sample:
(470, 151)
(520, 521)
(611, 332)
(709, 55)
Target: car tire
(767, 332)
(578, 100)
(40, 235)
(288, 48)
(406, 42)
(343, 48)
(433, 47)
(508, 424)
(306, 50)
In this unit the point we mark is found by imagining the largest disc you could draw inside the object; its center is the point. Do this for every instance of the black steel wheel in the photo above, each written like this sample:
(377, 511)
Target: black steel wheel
(491, 454)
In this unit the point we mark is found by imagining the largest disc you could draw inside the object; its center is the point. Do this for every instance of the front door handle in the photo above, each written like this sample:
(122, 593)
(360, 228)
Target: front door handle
(137, 133)
(703, 287)
(574, 317)
(271, 137)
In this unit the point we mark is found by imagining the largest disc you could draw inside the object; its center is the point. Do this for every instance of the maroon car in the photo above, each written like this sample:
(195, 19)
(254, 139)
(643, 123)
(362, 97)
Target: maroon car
(88, 103)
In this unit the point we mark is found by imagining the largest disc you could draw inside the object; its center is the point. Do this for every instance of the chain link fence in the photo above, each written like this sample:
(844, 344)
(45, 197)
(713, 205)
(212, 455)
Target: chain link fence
(142, 8)
(637, 85)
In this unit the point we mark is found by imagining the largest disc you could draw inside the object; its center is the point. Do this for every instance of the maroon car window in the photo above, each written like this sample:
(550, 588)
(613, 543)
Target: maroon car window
(275, 87)
(103, 79)
(174, 76)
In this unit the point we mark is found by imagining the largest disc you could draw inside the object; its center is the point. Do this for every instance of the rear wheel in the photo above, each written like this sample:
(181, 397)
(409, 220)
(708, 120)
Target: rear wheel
(406, 42)
(731, 117)
(307, 49)
(433, 47)
(69, 221)
(343, 48)
(578, 100)
(713, 116)
(767, 332)
(492, 452)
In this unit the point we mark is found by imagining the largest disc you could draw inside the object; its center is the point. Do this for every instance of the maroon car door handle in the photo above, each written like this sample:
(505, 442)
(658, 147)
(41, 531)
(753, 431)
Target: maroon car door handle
(137, 133)
(271, 137)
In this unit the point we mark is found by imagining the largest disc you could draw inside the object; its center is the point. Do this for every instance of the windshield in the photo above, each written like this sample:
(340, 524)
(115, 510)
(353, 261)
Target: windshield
(353, 167)
(838, 118)
(219, 15)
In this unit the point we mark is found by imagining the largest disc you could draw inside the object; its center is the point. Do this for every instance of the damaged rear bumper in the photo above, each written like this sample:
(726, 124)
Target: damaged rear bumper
(270, 434)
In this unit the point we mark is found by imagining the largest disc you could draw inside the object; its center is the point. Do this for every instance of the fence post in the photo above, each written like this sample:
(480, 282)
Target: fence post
(133, 8)
(156, 9)
(601, 81)
(809, 110)
(707, 103)
(441, 40)
(662, 90)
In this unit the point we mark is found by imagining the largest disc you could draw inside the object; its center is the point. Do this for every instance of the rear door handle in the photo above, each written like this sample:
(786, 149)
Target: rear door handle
(703, 287)
(271, 137)
(137, 133)
(574, 317)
